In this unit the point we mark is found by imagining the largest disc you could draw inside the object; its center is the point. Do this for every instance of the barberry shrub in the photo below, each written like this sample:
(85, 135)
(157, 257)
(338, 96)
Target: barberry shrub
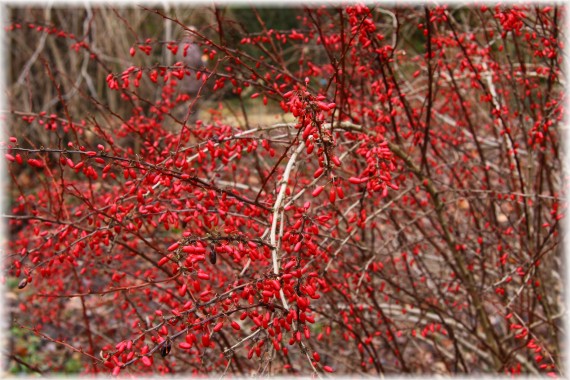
(397, 210)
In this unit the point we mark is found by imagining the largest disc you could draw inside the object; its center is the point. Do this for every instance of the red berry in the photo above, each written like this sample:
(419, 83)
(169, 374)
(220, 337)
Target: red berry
(317, 191)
